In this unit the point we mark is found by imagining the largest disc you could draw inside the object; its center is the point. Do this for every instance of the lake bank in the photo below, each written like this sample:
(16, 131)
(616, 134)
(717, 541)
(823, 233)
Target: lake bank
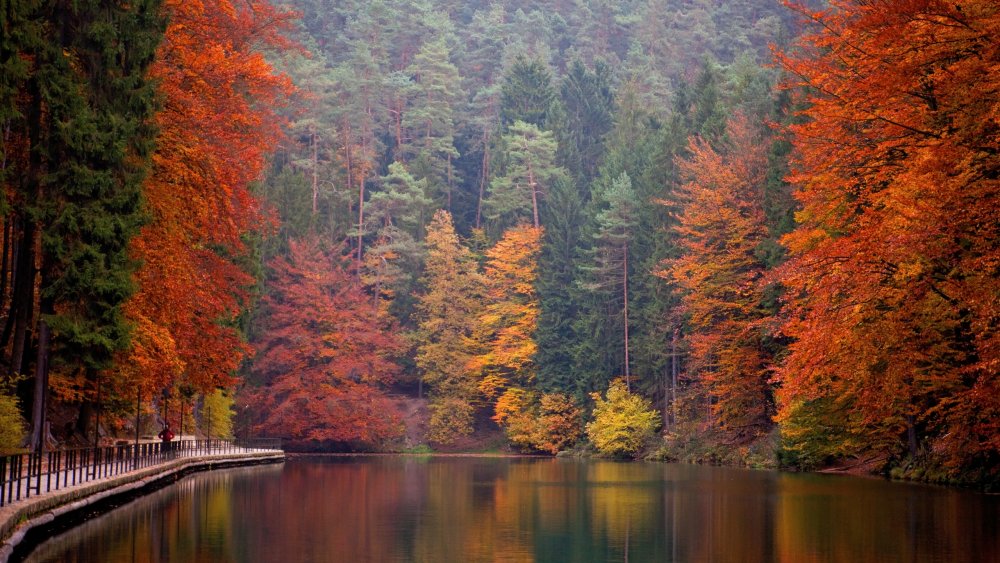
(25, 522)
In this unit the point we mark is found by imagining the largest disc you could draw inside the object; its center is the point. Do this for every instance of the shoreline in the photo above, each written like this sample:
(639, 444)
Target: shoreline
(23, 525)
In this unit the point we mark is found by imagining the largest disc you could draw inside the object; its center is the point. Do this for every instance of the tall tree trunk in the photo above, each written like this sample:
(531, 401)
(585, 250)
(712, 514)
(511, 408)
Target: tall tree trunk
(8, 229)
(315, 171)
(24, 291)
(483, 175)
(534, 195)
(40, 401)
(673, 375)
(398, 117)
(361, 219)
(11, 306)
(449, 183)
(911, 435)
(628, 375)
(23, 300)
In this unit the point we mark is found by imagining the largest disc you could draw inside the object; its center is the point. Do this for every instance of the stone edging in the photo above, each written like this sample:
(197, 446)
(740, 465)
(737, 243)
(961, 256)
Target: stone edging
(17, 520)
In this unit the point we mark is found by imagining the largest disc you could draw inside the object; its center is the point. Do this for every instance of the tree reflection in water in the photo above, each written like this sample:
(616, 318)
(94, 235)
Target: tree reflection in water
(444, 509)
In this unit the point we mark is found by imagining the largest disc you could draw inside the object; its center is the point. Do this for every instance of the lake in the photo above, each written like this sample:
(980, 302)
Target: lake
(467, 509)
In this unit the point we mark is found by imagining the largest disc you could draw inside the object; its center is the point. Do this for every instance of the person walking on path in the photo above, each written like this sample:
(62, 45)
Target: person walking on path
(166, 435)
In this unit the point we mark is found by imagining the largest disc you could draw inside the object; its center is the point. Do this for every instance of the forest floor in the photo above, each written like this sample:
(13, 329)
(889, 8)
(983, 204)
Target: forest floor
(415, 416)
(867, 467)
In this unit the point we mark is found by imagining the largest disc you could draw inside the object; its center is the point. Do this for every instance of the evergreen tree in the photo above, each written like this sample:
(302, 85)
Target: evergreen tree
(397, 214)
(586, 117)
(530, 172)
(89, 115)
(429, 144)
(527, 94)
(563, 216)
(609, 270)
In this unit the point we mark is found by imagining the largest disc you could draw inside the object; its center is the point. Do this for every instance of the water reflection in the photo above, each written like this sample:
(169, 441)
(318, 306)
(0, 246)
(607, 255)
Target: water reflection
(385, 509)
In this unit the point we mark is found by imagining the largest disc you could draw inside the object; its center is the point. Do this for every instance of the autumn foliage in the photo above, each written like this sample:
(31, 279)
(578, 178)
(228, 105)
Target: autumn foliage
(622, 421)
(510, 315)
(892, 283)
(217, 126)
(448, 313)
(721, 224)
(548, 423)
(325, 354)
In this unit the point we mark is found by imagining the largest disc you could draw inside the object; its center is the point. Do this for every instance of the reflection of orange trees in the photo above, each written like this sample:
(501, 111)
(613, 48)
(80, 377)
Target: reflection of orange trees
(553, 486)
(621, 508)
(476, 513)
(366, 495)
(443, 534)
(875, 523)
(501, 530)
(720, 518)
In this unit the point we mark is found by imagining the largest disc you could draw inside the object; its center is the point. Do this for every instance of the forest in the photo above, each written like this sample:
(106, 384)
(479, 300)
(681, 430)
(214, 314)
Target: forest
(744, 232)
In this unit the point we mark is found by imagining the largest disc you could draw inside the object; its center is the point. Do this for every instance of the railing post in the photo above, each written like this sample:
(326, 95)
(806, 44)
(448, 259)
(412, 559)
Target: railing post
(3, 480)
(15, 475)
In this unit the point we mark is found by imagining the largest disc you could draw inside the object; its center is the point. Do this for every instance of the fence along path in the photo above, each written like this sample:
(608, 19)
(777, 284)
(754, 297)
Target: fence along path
(23, 476)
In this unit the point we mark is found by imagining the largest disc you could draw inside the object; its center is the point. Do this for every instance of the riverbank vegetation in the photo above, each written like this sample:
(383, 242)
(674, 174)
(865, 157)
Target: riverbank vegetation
(771, 230)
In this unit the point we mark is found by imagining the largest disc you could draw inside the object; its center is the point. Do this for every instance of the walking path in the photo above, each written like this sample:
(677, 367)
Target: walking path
(73, 488)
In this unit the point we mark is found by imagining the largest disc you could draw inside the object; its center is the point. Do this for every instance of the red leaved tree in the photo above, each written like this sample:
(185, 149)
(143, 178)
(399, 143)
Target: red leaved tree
(893, 277)
(324, 355)
(217, 125)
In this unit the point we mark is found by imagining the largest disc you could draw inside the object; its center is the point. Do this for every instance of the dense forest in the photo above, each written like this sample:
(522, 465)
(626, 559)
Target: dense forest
(734, 232)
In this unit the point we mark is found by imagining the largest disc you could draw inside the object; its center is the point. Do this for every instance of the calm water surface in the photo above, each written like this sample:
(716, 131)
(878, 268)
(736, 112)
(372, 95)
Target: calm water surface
(394, 509)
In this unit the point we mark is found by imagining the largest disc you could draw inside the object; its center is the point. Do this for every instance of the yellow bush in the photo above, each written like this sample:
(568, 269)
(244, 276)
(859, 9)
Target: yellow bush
(622, 423)
(12, 426)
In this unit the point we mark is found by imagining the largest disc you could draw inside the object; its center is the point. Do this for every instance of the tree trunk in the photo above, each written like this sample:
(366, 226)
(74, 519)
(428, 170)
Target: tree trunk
(628, 375)
(315, 171)
(449, 183)
(534, 195)
(11, 306)
(673, 376)
(361, 219)
(39, 400)
(24, 297)
(5, 260)
(484, 174)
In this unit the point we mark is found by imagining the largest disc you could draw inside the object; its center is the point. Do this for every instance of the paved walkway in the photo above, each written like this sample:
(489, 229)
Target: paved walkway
(80, 470)
(112, 478)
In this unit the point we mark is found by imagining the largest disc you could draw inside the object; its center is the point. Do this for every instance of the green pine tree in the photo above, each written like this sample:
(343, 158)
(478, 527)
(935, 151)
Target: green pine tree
(92, 114)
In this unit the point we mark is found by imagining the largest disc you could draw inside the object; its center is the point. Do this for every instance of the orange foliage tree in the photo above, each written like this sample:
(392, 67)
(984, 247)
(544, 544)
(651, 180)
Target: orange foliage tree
(217, 125)
(550, 423)
(893, 296)
(324, 353)
(721, 224)
(510, 317)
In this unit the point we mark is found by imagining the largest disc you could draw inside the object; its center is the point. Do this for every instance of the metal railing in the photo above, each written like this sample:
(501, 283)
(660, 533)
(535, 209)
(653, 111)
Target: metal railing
(31, 474)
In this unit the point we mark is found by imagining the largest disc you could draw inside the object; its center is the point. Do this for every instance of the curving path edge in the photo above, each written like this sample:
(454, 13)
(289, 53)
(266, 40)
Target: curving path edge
(19, 519)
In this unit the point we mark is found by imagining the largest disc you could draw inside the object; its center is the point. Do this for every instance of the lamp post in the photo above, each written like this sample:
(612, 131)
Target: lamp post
(138, 406)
